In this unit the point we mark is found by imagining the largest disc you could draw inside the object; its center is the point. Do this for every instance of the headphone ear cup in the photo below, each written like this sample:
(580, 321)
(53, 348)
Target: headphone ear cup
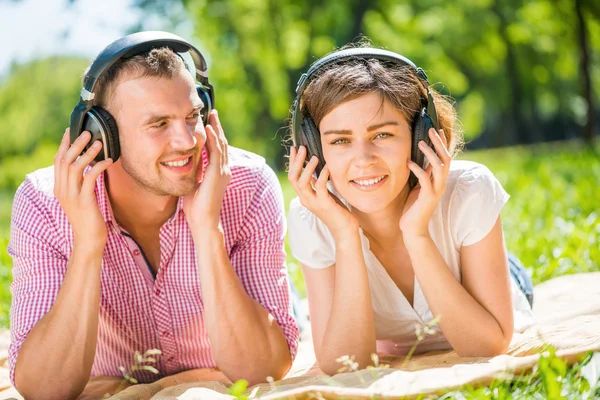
(421, 126)
(313, 143)
(103, 127)
(206, 100)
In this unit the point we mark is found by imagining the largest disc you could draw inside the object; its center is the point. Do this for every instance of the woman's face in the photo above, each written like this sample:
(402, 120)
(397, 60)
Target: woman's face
(366, 143)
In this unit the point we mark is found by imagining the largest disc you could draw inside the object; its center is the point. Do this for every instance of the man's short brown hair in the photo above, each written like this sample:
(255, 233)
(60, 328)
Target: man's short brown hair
(161, 63)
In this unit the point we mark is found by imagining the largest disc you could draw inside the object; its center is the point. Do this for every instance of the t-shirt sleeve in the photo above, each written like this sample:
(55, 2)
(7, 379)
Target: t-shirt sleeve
(476, 203)
(310, 241)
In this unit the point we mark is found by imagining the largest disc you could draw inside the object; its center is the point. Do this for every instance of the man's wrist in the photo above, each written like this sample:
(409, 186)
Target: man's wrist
(207, 234)
(89, 253)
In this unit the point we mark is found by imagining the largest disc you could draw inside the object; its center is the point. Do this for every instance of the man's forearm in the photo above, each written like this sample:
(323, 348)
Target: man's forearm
(246, 341)
(56, 359)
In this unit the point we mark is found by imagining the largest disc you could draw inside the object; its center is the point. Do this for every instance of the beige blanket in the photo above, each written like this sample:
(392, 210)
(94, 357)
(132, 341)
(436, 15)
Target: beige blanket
(568, 313)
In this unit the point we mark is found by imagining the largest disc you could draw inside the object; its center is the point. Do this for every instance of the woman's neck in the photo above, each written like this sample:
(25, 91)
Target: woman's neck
(383, 227)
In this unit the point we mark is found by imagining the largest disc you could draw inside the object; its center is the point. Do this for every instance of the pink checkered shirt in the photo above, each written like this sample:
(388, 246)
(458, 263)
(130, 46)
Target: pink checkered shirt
(138, 311)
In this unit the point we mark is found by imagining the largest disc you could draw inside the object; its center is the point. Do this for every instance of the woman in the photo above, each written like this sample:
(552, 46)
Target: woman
(383, 256)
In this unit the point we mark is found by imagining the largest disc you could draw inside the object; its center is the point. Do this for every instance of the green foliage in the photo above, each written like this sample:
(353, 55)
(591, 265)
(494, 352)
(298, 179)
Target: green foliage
(36, 100)
(552, 221)
(514, 71)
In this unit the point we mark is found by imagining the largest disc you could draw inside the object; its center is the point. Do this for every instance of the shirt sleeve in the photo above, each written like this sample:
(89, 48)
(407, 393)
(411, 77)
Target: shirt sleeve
(259, 254)
(310, 241)
(476, 203)
(38, 268)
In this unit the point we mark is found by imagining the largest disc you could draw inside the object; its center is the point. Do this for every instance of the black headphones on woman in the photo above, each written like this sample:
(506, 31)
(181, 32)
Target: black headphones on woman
(306, 133)
(98, 121)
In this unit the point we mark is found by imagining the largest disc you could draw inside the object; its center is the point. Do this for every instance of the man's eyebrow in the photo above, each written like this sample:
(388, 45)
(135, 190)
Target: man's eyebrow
(337, 132)
(370, 128)
(157, 118)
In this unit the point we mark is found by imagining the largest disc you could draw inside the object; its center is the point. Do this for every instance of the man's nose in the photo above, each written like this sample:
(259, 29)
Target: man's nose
(183, 136)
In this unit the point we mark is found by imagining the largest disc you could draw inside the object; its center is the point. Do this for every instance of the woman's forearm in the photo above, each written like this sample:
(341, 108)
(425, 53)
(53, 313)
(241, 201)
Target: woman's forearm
(350, 329)
(470, 329)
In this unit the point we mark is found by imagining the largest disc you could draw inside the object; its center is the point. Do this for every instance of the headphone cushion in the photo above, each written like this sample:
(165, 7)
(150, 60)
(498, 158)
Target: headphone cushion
(101, 124)
(313, 142)
(206, 100)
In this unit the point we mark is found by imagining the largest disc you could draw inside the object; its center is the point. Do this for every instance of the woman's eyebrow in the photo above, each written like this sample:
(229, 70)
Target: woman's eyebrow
(381, 125)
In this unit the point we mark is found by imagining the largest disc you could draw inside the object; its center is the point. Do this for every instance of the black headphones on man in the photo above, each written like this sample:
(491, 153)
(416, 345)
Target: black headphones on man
(97, 120)
(306, 133)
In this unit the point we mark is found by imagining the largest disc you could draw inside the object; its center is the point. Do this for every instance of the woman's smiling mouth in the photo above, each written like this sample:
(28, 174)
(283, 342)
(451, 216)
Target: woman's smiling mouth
(369, 183)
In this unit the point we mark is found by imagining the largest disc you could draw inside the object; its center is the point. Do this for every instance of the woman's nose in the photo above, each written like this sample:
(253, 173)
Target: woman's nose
(364, 155)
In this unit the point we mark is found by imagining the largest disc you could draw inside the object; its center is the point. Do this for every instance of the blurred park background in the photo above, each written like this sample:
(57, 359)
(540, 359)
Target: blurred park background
(525, 75)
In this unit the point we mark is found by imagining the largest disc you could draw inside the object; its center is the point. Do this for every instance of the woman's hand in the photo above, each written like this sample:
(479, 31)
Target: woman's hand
(425, 196)
(314, 195)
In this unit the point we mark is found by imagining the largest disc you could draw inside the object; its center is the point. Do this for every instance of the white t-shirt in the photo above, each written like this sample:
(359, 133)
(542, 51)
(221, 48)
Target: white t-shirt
(465, 214)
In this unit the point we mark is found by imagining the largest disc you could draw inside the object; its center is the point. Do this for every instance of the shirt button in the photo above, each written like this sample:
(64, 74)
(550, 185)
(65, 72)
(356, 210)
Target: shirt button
(136, 252)
(166, 333)
(170, 359)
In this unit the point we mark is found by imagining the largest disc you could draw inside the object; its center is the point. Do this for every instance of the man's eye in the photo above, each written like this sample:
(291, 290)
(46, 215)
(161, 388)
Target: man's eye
(382, 135)
(340, 141)
(159, 125)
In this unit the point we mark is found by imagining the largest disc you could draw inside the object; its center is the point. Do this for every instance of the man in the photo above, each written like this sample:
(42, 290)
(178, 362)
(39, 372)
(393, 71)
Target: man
(176, 246)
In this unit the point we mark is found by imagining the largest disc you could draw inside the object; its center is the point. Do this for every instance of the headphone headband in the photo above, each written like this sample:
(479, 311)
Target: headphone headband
(138, 43)
(359, 52)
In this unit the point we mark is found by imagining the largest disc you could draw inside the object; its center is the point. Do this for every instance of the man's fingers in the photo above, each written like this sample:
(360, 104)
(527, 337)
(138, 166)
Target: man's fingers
(62, 148)
(89, 181)
(214, 151)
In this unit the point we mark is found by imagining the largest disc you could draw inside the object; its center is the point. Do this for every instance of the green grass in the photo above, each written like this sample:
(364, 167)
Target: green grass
(552, 223)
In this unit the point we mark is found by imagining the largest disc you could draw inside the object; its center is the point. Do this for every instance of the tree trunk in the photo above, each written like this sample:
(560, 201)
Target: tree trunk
(516, 102)
(588, 131)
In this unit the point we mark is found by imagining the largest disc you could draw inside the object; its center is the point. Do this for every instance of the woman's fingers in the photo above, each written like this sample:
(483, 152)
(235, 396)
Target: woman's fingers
(439, 142)
(296, 164)
(423, 177)
(306, 175)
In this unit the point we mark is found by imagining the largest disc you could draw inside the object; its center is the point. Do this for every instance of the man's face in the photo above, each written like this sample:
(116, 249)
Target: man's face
(160, 132)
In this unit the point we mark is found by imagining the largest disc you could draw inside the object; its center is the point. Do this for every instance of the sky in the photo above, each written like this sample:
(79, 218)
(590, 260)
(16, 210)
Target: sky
(30, 29)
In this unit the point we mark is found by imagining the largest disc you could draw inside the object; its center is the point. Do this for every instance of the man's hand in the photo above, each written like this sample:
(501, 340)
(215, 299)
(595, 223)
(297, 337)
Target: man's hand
(74, 190)
(202, 207)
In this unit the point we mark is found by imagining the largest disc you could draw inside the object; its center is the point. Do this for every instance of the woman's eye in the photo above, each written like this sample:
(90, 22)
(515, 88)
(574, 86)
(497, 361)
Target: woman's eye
(340, 141)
